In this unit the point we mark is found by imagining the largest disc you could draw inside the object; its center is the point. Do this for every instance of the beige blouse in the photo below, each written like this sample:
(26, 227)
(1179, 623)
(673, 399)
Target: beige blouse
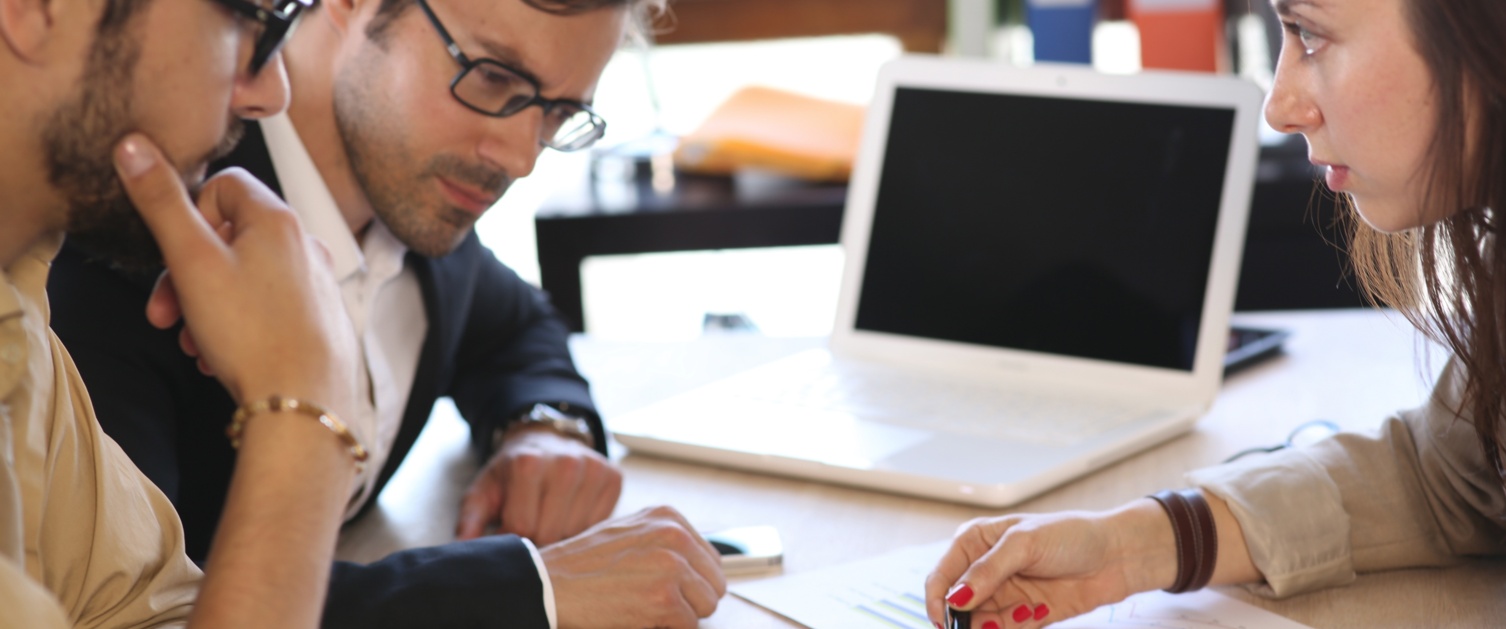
(1416, 493)
(85, 539)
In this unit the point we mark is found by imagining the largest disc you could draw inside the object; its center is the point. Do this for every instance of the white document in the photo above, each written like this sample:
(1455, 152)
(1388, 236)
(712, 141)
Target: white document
(1204, 609)
(887, 592)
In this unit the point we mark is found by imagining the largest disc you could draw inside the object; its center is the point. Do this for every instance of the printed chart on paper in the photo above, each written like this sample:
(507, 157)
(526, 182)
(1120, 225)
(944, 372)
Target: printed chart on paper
(886, 593)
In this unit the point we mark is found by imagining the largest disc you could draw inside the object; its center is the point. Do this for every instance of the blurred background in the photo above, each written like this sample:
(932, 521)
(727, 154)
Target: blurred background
(663, 247)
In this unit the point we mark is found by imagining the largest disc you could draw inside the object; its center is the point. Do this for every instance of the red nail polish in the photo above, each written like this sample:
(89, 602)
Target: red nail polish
(1041, 611)
(938, 625)
(960, 595)
(990, 625)
(1022, 613)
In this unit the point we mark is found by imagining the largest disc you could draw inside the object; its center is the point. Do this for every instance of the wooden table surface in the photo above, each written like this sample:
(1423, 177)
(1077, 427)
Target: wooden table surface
(1351, 367)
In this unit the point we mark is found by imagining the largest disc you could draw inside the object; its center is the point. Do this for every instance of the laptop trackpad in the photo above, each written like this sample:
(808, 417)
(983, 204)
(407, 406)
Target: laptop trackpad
(984, 461)
(831, 437)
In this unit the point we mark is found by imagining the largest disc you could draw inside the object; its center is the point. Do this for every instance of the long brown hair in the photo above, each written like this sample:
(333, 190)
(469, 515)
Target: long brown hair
(1449, 278)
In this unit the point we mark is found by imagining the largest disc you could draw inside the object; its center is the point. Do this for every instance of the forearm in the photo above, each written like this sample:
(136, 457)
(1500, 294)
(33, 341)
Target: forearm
(1234, 563)
(1148, 547)
(278, 531)
(1415, 493)
(261, 309)
(483, 583)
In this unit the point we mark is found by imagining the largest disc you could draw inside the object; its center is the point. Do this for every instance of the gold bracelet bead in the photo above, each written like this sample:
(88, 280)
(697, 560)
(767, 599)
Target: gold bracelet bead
(279, 404)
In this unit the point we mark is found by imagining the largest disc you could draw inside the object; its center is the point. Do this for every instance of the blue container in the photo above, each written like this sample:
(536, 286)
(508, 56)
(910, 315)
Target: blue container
(1063, 29)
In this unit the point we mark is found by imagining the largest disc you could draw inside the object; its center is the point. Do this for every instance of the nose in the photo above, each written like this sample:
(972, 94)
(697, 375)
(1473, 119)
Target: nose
(513, 144)
(1289, 108)
(262, 94)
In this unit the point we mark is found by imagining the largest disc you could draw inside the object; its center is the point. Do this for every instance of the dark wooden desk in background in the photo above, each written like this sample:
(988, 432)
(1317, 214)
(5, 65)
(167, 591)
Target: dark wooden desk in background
(700, 213)
(920, 25)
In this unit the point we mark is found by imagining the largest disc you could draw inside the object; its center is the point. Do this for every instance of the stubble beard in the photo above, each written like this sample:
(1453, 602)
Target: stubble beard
(396, 188)
(79, 139)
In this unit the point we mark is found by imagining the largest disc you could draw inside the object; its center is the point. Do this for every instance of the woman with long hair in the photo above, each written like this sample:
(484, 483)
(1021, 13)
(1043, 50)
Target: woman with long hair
(1403, 103)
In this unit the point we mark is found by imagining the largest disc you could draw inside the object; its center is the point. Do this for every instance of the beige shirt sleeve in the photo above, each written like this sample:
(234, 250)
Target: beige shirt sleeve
(78, 522)
(25, 603)
(1416, 493)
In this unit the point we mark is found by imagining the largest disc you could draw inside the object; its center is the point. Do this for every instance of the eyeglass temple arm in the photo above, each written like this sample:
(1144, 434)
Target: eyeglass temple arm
(449, 42)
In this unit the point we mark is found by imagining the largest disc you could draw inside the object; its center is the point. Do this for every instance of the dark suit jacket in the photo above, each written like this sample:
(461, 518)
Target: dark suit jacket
(494, 345)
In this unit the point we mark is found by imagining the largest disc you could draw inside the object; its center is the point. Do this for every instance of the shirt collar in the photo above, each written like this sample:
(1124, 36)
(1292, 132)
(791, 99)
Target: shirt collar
(307, 193)
(26, 278)
(23, 282)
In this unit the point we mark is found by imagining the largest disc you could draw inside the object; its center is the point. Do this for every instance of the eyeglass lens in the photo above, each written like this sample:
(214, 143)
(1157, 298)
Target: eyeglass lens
(494, 89)
(270, 24)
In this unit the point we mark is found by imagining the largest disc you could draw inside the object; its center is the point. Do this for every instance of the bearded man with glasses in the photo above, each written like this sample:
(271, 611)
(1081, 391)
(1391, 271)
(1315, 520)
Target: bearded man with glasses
(408, 120)
(113, 110)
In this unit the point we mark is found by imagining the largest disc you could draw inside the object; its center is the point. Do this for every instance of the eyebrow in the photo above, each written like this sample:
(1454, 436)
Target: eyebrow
(508, 55)
(1284, 7)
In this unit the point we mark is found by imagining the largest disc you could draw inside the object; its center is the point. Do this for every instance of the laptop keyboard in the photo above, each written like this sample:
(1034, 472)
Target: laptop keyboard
(946, 405)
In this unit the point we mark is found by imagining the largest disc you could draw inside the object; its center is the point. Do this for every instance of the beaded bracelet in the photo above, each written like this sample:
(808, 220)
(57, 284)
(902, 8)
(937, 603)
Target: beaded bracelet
(278, 404)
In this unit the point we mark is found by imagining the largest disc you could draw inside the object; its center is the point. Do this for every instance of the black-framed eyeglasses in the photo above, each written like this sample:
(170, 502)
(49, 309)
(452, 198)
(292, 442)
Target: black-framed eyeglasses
(276, 21)
(492, 88)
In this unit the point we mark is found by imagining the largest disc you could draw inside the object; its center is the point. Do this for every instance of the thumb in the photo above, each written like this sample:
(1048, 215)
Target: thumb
(157, 191)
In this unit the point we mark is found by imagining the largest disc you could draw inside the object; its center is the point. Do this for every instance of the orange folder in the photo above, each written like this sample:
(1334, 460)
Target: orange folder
(769, 129)
(1180, 34)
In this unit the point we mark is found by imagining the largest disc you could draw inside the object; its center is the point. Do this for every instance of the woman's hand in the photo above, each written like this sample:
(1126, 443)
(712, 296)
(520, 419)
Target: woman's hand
(1031, 570)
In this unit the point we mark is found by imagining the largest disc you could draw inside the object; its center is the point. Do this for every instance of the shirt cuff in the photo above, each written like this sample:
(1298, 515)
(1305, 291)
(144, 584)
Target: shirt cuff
(1293, 518)
(538, 562)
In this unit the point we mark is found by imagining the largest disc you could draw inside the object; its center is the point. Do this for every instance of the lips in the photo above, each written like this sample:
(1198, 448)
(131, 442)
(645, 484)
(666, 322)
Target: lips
(467, 198)
(1335, 175)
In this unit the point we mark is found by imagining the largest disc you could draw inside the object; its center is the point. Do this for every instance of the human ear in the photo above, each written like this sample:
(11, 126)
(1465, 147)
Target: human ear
(25, 26)
(339, 13)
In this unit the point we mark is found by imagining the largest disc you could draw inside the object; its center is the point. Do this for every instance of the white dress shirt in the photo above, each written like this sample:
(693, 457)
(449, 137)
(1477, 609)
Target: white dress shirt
(373, 279)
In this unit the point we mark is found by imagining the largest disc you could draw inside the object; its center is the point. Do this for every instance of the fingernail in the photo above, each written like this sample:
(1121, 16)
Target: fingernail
(1041, 611)
(132, 157)
(938, 625)
(1022, 613)
(990, 625)
(960, 595)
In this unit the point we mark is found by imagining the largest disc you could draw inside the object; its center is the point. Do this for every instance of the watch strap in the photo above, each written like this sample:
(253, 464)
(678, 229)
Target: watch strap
(549, 417)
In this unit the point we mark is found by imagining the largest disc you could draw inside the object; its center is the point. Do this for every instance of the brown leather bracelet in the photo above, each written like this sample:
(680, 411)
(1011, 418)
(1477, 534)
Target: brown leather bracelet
(1196, 538)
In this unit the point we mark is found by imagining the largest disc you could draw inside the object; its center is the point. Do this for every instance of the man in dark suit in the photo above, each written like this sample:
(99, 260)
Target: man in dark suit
(409, 119)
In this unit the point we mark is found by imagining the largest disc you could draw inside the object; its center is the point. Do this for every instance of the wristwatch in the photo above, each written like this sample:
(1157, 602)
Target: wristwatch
(555, 419)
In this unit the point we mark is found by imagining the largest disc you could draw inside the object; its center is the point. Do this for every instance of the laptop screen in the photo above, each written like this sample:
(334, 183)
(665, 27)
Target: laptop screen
(1073, 227)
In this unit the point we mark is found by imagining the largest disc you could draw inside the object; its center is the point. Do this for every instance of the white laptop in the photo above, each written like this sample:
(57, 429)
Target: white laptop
(1040, 268)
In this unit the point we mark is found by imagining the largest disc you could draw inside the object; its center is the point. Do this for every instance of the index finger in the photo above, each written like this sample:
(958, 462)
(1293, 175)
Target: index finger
(951, 566)
(974, 543)
(701, 555)
(1003, 553)
(157, 191)
(678, 517)
(236, 197)
(520, 507)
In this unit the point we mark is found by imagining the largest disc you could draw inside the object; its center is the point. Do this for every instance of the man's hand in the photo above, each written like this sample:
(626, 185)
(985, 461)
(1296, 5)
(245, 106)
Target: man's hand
(253, 288)
(263, 306)
(540, 485)
(649, 569)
